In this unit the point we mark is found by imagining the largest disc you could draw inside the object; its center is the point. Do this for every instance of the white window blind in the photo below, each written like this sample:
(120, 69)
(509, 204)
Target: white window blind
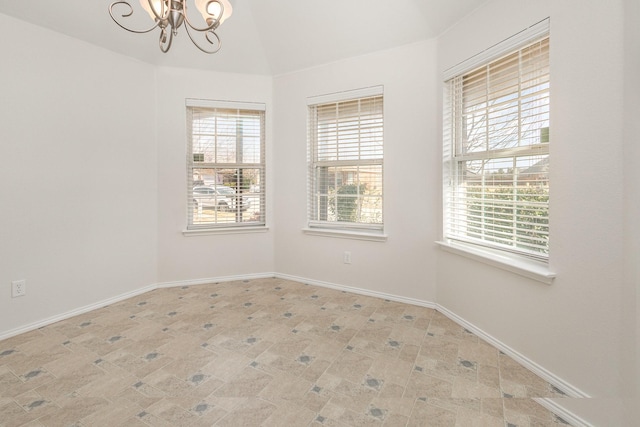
(345, 163)
(226, 164)
(496, 148)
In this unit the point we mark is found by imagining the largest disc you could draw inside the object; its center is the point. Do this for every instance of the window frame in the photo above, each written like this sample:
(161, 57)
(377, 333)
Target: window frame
(223, 107)
(526, 264)
(335, 228)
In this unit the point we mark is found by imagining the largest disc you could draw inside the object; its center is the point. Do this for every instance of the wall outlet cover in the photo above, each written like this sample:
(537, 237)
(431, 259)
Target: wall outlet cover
(18, 288)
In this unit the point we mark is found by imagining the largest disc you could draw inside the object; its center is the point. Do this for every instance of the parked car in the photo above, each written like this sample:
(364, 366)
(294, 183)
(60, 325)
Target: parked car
(218, 197)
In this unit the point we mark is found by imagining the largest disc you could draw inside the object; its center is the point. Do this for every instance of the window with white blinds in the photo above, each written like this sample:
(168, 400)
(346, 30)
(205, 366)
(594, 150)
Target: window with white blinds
(225, 164)
(496, 148)
(345, 160)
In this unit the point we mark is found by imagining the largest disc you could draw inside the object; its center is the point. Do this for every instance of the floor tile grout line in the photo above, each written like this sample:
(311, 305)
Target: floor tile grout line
(112, 312)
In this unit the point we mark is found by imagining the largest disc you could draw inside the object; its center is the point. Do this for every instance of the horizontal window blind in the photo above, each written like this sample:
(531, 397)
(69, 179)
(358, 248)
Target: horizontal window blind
(496, 137)
(345, 163)
(226, 166)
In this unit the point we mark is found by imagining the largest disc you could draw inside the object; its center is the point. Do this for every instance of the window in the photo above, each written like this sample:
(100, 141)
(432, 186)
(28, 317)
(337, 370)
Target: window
(496, 147)
(225, 164)
(345, 134)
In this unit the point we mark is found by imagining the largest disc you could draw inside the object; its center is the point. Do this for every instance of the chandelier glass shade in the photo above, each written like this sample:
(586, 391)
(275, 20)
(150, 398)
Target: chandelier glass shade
(170, 15)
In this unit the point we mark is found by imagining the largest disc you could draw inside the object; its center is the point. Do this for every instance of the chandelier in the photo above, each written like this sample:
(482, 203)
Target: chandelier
(169, 15)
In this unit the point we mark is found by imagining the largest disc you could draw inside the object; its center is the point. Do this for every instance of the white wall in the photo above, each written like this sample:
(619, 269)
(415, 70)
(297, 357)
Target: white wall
(77, 174)
(217, 255)
(404, 265)
(573, 327)
(93, 176)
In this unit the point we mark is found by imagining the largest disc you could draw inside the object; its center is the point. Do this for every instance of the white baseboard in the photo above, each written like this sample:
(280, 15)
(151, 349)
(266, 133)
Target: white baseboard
(358, 291)
(553, 406)
(554, 380)
(550, 404)
(112, 300)
(206, 281)
(75, 312)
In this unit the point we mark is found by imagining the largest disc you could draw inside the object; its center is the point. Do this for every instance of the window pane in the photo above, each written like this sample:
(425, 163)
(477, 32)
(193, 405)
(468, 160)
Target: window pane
(499, 192)
(225, 196)
(251, 149)
(226, 149)
(204, 146)
(350, 130)
(346, 149)
(222, 192)
(349, 194)
(505, 201)
(505, 104)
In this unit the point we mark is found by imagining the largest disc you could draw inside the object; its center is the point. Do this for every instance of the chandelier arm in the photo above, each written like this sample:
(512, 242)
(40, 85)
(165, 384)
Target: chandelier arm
(126, 15)
(165, 46)
(165, 12)
(211, 26)
(218, 42)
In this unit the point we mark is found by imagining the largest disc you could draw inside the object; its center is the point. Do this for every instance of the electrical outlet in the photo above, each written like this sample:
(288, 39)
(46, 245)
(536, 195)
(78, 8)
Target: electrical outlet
(347, 257)
(18, 288)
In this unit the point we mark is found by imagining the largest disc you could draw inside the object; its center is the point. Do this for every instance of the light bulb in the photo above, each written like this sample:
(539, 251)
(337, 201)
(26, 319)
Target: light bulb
(157, 6)
(211, 10)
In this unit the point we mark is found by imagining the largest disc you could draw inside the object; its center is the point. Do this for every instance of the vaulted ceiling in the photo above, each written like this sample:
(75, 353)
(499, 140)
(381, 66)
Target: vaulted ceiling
(267, 37)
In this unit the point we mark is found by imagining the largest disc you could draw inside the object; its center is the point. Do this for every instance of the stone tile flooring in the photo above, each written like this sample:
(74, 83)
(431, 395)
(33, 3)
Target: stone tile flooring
(266, 352)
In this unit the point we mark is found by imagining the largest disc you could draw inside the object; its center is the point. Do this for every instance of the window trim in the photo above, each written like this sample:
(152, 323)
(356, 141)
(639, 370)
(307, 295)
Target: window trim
(528, 266)
(359, 231)
(516, 41)
(346, 234)
(226, 228)
(347, 95)
(506, 261)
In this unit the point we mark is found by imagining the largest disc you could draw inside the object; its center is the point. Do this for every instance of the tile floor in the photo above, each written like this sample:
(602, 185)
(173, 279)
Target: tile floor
(266, 352)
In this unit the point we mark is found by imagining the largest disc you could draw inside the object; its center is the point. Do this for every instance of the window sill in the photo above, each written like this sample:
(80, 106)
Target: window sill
(346, 234)
(524, 267)
(226, 230)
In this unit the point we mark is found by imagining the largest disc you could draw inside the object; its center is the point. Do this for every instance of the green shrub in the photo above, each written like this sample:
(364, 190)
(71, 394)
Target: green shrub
(345, 203)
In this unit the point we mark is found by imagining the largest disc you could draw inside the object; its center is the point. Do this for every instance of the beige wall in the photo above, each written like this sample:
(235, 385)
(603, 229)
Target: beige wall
(77, 174)
(631, 296)
(93, 192)
(404, 265)
(573, 327)
(216, 255)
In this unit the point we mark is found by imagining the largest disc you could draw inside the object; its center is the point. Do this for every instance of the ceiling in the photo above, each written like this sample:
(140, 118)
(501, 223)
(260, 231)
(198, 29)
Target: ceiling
(268, 37)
